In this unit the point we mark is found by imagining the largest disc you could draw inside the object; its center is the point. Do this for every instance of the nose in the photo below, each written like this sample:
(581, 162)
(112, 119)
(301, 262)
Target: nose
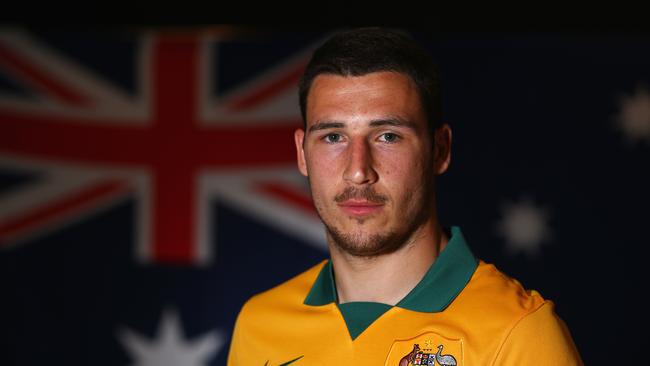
(359, 168)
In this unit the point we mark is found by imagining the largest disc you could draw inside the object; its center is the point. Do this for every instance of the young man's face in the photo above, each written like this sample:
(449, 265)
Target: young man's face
(369, 159)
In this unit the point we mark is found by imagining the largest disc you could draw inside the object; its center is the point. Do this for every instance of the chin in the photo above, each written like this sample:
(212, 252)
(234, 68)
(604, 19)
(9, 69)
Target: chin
(364, 243)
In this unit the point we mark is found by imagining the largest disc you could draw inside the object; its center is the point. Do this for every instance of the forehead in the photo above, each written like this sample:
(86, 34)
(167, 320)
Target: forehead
(371, 96)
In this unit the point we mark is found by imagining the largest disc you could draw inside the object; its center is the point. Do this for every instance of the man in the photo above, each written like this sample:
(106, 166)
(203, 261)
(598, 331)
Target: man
(399, 288)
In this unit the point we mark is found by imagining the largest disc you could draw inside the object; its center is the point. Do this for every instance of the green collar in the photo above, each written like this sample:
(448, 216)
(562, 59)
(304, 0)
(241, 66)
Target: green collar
(444, 280)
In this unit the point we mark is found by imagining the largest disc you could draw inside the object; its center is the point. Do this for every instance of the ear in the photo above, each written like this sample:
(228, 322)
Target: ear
(299, 137)
(442, 149)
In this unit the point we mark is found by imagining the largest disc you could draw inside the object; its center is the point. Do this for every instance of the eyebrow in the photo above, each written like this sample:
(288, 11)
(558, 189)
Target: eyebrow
(389, 121)
(393, 121)
(324, 125)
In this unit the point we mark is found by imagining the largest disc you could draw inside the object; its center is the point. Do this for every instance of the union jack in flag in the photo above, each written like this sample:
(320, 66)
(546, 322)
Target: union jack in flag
(176, 142)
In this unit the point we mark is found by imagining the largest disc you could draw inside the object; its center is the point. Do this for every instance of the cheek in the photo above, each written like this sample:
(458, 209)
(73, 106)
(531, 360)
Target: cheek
(323, 163)
(403, 174)
(324, 173)
(398, 165)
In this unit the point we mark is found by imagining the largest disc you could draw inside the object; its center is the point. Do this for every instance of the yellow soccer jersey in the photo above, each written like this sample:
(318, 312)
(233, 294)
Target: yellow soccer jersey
(463, 312)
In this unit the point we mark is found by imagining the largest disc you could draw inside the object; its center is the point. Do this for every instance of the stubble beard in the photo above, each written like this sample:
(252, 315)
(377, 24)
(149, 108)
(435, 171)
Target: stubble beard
(363, 244)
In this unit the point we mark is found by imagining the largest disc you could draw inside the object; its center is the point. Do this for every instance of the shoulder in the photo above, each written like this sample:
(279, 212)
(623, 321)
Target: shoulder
(271, 309)
(526, 323)
(499, 293)
(540, 332)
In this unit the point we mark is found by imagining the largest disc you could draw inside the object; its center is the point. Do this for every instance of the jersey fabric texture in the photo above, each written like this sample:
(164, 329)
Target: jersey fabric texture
(463, 312)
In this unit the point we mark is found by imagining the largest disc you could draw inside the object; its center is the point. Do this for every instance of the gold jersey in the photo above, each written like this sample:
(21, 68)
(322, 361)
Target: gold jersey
(463, 312)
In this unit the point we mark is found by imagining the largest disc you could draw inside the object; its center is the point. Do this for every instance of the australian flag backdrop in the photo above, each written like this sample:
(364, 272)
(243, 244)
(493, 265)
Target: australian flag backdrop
(148, 183)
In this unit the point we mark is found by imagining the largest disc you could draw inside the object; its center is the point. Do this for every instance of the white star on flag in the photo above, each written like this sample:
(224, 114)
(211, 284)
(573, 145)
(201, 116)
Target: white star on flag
(634, 116)
(169, 347)
(524, 226)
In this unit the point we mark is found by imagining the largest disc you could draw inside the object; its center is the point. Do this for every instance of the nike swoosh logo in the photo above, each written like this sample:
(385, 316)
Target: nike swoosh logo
(287, 363)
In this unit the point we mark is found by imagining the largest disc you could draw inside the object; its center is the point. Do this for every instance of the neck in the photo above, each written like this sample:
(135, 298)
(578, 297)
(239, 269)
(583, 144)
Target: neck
(390, 277)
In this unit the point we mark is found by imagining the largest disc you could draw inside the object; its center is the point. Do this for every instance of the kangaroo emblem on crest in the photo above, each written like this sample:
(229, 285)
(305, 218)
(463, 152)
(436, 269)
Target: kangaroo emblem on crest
(410, 357)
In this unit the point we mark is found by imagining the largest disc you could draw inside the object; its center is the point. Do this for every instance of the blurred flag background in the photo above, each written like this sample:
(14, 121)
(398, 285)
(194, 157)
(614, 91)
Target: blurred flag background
(148, 184)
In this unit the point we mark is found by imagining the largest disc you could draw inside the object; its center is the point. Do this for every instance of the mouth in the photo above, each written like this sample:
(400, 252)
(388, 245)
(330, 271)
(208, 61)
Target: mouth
(360, 208)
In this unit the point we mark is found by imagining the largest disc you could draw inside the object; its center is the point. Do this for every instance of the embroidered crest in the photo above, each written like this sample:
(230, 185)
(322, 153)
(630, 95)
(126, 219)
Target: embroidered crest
(426, 349)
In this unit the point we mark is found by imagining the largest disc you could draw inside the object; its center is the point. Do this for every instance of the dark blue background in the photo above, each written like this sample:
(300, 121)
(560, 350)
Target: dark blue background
(532, 115)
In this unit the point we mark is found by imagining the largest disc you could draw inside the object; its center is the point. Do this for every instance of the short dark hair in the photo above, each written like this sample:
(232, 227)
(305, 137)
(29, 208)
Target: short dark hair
(361, 51)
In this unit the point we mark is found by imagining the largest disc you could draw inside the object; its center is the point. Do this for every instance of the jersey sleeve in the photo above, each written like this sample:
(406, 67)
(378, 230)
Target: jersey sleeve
(540, 337)
(235, 351)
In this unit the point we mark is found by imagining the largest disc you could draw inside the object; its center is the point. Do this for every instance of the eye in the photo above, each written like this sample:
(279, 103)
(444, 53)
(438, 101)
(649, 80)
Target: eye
(332, 138)
(388, 137)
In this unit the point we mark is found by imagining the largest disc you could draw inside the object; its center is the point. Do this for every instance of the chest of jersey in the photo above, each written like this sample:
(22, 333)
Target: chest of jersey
(321, 336)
